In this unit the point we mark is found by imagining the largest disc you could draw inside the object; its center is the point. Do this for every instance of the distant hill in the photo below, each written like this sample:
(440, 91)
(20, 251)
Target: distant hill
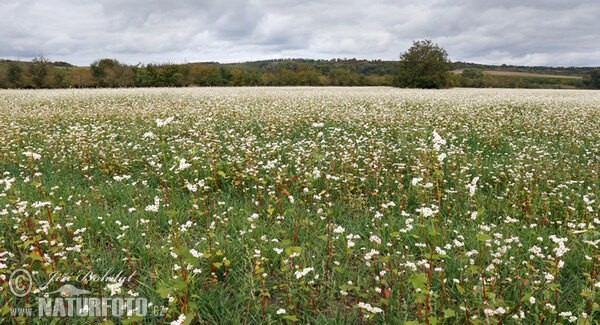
(362, 67)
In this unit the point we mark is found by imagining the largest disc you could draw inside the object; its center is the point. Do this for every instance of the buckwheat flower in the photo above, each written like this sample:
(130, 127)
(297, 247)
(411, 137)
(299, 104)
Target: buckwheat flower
(281, 311)
(441, 157)
(532, 300)
(339, 230)
(438, 141)
(195, 253)
(152, 208)
(148, 135)
(179, 321)
(291, 198)
(302, 273)
(427, 212)
(278, 250)
(164, 122)
(183, 165)
(114, 288)
(375, 239)
(32, 155)
(473, 186)
(416, 181)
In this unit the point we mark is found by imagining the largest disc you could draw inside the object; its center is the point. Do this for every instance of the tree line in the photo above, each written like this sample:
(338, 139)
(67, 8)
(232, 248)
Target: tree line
(424, 65)
(41, 73)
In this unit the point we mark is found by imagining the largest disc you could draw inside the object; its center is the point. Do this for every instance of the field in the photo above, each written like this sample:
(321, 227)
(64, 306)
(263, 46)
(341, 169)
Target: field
(521, 74)
(302, 205)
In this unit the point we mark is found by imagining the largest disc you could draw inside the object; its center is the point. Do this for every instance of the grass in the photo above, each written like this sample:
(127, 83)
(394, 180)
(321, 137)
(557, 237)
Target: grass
(300, 205)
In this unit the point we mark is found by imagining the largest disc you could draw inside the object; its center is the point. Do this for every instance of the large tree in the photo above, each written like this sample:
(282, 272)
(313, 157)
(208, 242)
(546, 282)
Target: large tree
(424, 65)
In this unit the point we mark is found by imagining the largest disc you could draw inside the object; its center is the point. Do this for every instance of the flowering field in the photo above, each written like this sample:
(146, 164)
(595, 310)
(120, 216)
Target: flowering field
(308, 205)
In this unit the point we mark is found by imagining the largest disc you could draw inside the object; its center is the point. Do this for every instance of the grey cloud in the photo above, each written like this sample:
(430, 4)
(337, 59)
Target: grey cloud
(548, 32)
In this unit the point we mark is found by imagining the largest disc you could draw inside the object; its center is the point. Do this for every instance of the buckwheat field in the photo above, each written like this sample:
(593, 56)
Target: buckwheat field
(305, 205)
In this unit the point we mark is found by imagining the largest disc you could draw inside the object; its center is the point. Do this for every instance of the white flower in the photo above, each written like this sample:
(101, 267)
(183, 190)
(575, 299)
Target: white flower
(302, 273)
(179, 321)
(32, 155)
(375, 239)
(164, 122)
(148, 135)
(114, 288)
(532, 300)
(339, 230)
(195, 253)
(183, 164)
(281, 311)
(441, 157)
(473, 186)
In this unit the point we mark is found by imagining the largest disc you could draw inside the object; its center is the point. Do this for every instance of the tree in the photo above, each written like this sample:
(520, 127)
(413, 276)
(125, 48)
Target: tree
(15, 73)
(39, 70)
(471, 77)
(592, 79)
(80, 78)
(111, 73)
(424, 65)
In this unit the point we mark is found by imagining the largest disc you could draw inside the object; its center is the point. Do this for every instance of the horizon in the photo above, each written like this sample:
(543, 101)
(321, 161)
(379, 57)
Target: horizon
(51, 60)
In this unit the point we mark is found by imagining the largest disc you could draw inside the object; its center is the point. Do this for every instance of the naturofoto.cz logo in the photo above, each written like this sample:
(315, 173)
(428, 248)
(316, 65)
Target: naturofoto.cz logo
(70, 301)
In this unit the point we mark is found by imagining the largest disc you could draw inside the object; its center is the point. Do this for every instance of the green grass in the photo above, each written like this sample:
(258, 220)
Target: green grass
(267, 185)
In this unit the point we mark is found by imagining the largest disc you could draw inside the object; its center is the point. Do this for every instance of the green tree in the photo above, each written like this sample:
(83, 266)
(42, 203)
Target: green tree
(111, 73)
(472, 73)
(39, 70)
(592, 79)
(15, 74)
(424, 65)
(471, 78)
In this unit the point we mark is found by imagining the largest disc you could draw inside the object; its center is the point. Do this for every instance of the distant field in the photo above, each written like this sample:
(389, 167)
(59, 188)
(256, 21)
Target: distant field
(520, 74)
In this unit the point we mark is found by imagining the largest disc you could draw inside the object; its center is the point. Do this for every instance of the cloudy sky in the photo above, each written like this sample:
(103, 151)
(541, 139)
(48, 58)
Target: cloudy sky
(523, 32)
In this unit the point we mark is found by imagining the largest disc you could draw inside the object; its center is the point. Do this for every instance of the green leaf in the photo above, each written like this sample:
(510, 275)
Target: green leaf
(449, 313)
(5, 309)
(132, 319)
(164, 291)
(188, 318)
(418, 281)
(483, 237)
(338, 269)
(291, 318)
(293, 249)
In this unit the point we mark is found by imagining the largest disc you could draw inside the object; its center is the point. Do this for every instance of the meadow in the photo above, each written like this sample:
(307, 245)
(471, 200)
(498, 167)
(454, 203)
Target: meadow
(305, 205)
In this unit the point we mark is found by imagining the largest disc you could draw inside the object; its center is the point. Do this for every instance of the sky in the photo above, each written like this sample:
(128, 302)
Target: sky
(514, 32)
